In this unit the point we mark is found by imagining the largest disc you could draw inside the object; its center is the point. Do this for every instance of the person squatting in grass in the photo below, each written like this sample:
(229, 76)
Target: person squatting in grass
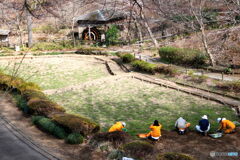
(204, 125)
(182, 126)
(226, 126)
(155, 132)
(118, 126)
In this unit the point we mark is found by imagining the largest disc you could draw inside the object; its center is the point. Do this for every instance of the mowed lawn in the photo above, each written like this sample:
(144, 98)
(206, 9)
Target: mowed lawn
(55, 73)
(139, 104)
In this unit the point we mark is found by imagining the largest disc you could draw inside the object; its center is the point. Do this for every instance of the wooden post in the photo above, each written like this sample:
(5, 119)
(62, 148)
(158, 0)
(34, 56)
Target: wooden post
(222, 76)
(89, 33)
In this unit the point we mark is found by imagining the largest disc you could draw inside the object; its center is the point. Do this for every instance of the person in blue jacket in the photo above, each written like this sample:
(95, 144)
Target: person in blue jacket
(204, 125)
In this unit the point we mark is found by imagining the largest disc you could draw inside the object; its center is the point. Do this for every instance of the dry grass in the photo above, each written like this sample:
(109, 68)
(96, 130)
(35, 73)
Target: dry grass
(53, 73)
(139, 104)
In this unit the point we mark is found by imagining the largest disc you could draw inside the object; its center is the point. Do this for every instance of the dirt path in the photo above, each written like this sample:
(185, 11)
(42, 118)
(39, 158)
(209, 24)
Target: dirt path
(49, 143)
(200, 146)
(197, 92)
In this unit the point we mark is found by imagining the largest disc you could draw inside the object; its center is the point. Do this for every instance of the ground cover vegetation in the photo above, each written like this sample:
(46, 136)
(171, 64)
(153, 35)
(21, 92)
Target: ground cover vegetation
(32, 101)
(139, 104)
(183, 56)
(143, 66)
(56, 73)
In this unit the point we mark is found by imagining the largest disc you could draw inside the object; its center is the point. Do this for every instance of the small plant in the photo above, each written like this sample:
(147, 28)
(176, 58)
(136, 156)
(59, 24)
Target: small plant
(112, 35)
(127, 58)
(74, 138)
(228, 70)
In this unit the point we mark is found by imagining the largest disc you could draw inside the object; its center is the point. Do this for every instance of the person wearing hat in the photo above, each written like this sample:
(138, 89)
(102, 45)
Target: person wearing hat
(204, 125)
(226, 126)
(118, 126)
(182, 125)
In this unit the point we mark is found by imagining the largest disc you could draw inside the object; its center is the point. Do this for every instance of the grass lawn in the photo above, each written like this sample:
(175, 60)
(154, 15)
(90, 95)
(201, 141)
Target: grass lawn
(56, 73)
(139, 104)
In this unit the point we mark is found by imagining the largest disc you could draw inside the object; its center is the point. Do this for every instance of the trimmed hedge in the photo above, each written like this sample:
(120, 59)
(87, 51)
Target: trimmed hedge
(174, 156)
(30, 98)
(21, 103)
(76, 123)
(44, 107)
(183, 56)
(138, 149)
(127, 57)
(74, 138)
(49, 126)
(144, 66)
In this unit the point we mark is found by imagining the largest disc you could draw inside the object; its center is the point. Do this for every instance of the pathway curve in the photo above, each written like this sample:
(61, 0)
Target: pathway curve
(14, 146)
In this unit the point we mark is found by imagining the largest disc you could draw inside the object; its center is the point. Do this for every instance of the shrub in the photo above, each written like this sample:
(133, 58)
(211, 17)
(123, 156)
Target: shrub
(31, 94)
(127, 58)
(49, 126)
(233, 86)
(76, 123)
(112, 35)
(21, 103)
(174, 156)
(168, 70)
(44, 107)
(138, 149)
(74, 138)
(183, 56)
(144, 66)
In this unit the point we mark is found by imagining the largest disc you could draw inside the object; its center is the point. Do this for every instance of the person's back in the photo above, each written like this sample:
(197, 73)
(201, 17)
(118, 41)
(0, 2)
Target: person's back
(155, 130)
(116, 127)
(181, 123)
(204, 124)
(228, 126)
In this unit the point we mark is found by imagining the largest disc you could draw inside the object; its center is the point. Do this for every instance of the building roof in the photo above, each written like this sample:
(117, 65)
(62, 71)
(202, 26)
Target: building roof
(4, 32)
(101, 17)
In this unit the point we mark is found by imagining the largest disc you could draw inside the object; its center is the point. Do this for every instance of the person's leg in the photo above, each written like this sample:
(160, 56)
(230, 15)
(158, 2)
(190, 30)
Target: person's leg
(229, 130)
(198, 128)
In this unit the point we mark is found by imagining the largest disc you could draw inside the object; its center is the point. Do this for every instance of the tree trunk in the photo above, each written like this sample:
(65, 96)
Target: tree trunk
(139, 32)
(29, 29)
(147, 26)
(205, 44)
(149, 30)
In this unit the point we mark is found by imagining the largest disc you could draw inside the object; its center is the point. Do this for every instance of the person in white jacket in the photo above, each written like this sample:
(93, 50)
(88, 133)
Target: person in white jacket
(182, 125)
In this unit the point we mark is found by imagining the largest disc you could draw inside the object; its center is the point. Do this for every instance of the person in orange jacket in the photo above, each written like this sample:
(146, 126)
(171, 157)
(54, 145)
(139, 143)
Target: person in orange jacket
(226, 126)
(155, 132)
(117, 127)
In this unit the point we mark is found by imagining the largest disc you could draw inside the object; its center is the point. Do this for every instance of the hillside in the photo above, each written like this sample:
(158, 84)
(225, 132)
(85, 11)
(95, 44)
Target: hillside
(223, 43)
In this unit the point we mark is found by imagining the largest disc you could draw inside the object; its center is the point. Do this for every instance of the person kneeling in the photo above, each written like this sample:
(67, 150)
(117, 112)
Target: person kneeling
(119, 126)
(182, 125)
(155, 132)
(204, 125)
(226, 126)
